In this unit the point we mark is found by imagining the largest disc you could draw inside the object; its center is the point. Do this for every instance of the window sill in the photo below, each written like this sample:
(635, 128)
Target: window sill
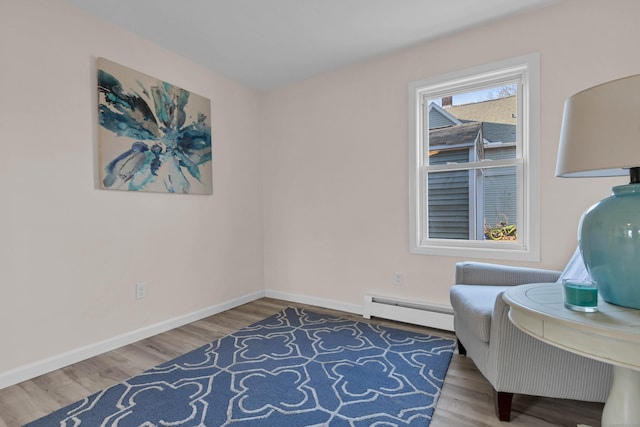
(506, 252)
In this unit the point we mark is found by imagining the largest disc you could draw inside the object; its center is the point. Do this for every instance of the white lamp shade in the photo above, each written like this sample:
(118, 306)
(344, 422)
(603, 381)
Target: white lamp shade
(600, 133)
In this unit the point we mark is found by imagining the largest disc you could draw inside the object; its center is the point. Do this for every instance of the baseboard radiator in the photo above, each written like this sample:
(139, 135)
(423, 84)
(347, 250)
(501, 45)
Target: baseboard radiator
(438, 316)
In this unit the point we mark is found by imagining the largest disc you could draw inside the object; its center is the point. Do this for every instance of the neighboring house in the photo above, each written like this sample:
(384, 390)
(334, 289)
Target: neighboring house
(462, 203)
(501, 110)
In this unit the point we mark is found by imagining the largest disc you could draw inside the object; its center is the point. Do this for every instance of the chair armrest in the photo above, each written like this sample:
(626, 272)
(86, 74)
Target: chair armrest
(480, 273)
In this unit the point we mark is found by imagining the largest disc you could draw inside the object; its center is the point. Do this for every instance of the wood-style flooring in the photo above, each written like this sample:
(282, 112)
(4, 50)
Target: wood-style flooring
(466, 398)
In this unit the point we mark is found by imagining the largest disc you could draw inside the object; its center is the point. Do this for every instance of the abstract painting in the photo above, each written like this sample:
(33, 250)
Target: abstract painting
(153, 136)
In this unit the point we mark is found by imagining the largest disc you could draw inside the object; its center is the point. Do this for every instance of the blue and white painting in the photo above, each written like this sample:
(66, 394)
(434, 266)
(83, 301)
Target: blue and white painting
(153, 136)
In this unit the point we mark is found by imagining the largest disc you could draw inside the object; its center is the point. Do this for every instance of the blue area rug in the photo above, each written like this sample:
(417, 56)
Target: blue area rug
(296, 368)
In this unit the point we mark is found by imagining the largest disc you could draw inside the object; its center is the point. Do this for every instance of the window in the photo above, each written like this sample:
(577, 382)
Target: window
(473, 144)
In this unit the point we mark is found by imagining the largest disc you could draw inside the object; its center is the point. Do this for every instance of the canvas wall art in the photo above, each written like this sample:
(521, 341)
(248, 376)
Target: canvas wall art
(152, 135)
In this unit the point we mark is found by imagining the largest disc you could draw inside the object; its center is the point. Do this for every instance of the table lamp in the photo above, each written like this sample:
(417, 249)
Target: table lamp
(600, 137)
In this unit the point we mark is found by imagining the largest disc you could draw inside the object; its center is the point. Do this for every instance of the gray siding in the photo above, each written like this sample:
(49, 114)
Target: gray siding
(437, 119)
(449, 198)
(500, 188)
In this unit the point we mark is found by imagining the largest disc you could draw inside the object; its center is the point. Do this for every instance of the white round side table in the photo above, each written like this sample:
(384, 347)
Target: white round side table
(611, 335)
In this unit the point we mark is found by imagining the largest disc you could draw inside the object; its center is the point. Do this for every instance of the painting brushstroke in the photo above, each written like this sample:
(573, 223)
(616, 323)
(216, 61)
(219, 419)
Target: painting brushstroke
(152, 136)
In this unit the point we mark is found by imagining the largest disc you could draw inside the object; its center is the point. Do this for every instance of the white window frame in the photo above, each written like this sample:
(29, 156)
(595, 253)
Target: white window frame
(525, 69)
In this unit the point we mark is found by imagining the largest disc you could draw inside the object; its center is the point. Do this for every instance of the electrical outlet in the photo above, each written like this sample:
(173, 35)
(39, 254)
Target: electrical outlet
(397, 279)
(141, 290)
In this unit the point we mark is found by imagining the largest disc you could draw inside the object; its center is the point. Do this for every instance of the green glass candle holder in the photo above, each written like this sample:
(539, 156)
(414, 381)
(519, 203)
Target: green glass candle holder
(580, 295)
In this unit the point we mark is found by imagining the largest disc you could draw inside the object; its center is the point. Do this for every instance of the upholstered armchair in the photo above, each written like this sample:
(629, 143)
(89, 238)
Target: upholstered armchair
(512, 361)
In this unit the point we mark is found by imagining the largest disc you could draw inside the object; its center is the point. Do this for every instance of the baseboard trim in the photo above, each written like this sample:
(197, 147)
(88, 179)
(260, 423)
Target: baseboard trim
(59, 361)
(320, 302)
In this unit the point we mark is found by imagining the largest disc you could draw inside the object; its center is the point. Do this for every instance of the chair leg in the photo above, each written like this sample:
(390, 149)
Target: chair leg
(461, 350)
(502, 402)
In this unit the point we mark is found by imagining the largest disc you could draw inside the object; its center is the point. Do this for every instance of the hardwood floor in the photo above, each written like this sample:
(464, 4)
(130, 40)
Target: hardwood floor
(466, 398)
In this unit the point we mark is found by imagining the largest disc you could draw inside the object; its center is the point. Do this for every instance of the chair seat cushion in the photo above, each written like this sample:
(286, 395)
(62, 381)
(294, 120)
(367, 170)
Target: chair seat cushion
(473, 305)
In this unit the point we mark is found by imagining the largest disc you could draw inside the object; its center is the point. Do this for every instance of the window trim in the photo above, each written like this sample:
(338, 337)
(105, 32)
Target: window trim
(527, 247)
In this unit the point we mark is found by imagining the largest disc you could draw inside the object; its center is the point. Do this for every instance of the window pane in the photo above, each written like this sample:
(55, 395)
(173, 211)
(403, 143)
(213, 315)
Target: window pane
(475, 204)
(500, 204)
(471, 121)
(449, 204)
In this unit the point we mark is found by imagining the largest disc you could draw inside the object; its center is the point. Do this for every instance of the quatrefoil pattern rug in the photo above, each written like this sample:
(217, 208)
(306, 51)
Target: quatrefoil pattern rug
(296, 368)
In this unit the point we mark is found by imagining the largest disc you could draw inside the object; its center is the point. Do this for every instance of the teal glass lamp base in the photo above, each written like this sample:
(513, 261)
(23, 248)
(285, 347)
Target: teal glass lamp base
(609, 240)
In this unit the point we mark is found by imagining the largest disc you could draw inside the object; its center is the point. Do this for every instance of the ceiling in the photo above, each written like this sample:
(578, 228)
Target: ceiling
(266, 44)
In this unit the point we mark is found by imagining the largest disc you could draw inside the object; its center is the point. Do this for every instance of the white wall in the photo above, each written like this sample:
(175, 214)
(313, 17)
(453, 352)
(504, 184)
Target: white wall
(70, 254)
(322, 213)
(335, 153)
